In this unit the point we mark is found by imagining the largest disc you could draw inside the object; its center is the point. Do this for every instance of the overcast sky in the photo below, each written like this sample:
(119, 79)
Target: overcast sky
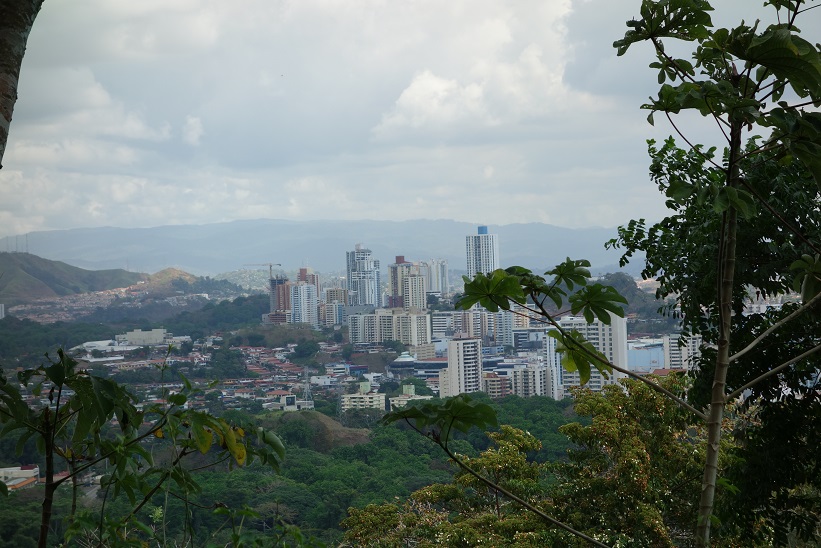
(153, 112)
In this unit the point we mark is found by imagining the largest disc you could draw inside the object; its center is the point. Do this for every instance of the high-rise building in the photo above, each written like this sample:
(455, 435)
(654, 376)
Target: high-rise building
(436, 272)
(304, 304)
(495, 386)
(390, 325)
(482, 252)
(397, 272)
(277, 296)
(681, 353)
(307, 275)
(475, 322)
(414, 296)
(610, 340)
(364, 278)
(531, 380)
(463, 374)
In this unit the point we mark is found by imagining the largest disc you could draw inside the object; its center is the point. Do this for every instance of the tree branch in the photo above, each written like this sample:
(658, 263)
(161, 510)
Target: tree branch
(691, 145)
(513, 497)
(778, 216)
(630, 374)
(771, 372)
(803, 308)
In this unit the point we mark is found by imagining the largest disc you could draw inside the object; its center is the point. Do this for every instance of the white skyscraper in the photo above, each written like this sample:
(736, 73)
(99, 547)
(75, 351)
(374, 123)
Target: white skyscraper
(610, 340)
(463, 374)
(304, 304)
(482, 252)
(681, 356)
(414, 296)
(364, 278)
(436, 270)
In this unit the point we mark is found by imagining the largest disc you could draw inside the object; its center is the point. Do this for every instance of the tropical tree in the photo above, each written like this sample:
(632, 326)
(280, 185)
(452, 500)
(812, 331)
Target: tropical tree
(467, 511)
(743, 79)
(633, 472)
(745, 221)
(86, 422)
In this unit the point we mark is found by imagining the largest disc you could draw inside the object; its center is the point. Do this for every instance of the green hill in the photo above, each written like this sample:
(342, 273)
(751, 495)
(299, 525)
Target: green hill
(25, 277)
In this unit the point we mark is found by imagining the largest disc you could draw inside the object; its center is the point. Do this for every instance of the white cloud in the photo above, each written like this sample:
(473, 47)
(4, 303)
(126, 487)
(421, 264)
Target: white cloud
(433, 102)
(467, 109)
(192, 130)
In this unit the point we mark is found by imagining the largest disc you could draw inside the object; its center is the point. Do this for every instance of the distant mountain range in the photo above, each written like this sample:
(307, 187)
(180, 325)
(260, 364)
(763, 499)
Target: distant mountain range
(222, 247)
(25, 277)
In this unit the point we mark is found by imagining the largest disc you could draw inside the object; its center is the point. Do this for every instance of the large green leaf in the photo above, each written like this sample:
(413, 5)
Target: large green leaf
(598, 301)
(493, 292)
(788, 56)
(580, 355)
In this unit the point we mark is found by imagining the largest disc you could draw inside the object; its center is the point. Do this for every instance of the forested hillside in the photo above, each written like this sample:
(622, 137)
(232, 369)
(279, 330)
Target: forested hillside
(327, 469)
(25, 277)
(20, 339)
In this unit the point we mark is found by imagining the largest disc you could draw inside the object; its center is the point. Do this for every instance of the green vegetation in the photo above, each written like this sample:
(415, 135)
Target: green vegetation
(92, 422)
(745, 223)
(327, 469)
(24, 277)
(25, 341)
(744, 80)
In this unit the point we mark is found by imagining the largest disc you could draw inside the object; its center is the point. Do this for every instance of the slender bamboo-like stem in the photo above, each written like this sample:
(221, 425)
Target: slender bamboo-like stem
(717, 394)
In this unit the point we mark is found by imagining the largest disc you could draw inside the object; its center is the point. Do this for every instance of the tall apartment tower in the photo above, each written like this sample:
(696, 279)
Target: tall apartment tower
(610, 340)
(437, 273)
(307, 275)
(482, 252)
(364, 278)
(463, 374)
(414, 294)
(681, 354)
(397, 273)
(304, 304)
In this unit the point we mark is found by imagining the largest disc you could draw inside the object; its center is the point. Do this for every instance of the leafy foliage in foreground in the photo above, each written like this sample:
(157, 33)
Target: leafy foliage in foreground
(86, 422)
(629, 481)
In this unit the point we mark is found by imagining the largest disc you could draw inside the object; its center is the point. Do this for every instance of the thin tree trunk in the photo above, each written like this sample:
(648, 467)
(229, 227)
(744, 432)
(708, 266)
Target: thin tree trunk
(48, 499)
(16, 20)
(718, 393)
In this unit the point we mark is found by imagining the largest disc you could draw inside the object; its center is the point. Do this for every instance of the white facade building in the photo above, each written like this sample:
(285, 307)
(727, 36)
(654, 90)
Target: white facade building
(610, 340)
(534, 379)
(482, 252)
(410, 329)
(436, 274)
(138, 337)
(682, 356)
(371, 400)
(463, 374)
(414, 295)
(364, 278)
(304, 304)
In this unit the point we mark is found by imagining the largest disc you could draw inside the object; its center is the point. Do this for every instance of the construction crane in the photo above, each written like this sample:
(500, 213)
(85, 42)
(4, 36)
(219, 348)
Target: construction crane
(269, 265)
(272, 283)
